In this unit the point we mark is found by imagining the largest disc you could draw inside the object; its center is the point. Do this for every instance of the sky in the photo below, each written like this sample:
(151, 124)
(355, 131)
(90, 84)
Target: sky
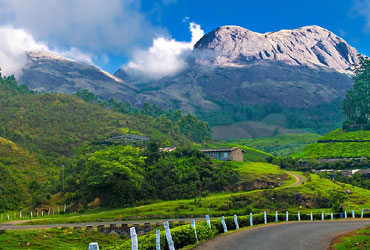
(154, 36)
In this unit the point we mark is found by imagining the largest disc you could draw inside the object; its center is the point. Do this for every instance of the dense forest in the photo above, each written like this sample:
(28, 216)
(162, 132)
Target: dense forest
(356, 105)
(319, 119)
(126, 175)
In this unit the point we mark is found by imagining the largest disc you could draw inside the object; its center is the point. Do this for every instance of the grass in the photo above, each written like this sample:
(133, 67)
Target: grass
(18, 169)
(281, 145)
(56, 239)
(339, 135)
(335, 150)
(359, 239)
(257, 168)
(338, 144)
(230, 203)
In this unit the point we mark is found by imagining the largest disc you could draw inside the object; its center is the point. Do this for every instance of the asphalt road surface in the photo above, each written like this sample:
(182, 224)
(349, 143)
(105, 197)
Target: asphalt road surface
(285, 236)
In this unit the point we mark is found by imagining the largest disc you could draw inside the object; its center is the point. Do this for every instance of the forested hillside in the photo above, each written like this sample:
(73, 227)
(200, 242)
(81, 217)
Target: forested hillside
(44, 131)
(22, 178)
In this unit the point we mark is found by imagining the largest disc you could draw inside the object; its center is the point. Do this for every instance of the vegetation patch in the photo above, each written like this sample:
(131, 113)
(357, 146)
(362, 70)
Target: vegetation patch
(335, 150)
(281, 145)
(356, 240)
(56, 239)
(340, 135)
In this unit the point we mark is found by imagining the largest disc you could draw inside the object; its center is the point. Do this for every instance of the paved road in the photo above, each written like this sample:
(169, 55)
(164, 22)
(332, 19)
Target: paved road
(11, 226)
(286, 236)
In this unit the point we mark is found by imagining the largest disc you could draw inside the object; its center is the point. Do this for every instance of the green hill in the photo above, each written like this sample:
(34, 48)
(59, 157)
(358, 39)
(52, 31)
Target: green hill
(339, 144)
(21, 176)
(55, 125)
(46, 131)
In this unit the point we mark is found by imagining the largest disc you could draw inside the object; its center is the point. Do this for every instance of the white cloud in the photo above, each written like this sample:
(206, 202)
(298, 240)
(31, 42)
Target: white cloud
(75, 54)
(98, 26)
(164, 57)
(362, 8)
(14, 43)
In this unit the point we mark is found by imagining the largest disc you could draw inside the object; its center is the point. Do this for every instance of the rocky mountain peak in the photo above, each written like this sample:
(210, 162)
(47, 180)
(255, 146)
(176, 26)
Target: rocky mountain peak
(311, 46)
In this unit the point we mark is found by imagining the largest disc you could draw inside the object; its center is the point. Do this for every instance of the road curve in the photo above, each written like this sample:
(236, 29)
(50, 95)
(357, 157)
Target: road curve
(285, 236)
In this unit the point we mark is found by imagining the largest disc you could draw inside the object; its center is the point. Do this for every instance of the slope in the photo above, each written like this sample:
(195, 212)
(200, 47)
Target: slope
(339, 144)
(237, 75)
(55, 125)
(21, 177)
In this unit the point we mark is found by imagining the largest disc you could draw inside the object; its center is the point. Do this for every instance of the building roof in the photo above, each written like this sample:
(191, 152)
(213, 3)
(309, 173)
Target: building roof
(210, 150)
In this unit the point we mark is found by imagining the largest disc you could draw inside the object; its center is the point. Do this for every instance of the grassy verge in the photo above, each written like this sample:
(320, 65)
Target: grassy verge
(281, 145)
(335, 150)
(357, 240)
(338, 135)
(56, 239)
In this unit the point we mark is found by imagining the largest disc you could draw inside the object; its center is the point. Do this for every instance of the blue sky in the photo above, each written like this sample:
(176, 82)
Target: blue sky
(341, 16)
(110, 33)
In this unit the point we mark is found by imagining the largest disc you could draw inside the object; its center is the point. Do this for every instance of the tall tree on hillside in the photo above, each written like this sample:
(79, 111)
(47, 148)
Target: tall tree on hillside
(356, 104)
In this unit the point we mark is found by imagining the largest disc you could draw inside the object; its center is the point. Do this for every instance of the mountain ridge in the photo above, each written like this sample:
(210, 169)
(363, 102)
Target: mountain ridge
(308, 45)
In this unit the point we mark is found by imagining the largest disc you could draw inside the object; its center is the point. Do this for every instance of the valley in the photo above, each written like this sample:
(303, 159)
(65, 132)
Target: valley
(271, 127)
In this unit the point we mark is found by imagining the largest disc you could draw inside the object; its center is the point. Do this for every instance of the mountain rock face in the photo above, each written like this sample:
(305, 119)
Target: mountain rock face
(232, 65)
(310, 46)
(49, 72)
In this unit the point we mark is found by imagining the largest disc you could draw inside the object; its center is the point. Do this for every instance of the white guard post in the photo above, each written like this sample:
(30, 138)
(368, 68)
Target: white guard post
(224, 224)
(251, 219)
(236, 222)
(287, 216)
(276, 216)
(134, 243)
(168, 235)
(322, 215)
(353, 214)
(158, 239)
(299, 216)
(208, 221)
(93, 246)
(264, 217)
(195, 230)
(362, 214)
(311, 215)
(331, 216)
(345, 214)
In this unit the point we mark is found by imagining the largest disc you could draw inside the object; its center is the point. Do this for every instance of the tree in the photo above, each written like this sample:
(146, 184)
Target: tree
(356, 104)
(115, 175)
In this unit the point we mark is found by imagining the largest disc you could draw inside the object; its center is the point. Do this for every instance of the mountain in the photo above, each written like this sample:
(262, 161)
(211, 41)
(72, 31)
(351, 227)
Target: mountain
(235, 75)
(295, 68)
(310, 46)
(49, 72)
(232, 75)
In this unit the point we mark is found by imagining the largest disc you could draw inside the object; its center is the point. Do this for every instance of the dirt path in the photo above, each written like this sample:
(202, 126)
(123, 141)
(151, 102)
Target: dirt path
(299, 179)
